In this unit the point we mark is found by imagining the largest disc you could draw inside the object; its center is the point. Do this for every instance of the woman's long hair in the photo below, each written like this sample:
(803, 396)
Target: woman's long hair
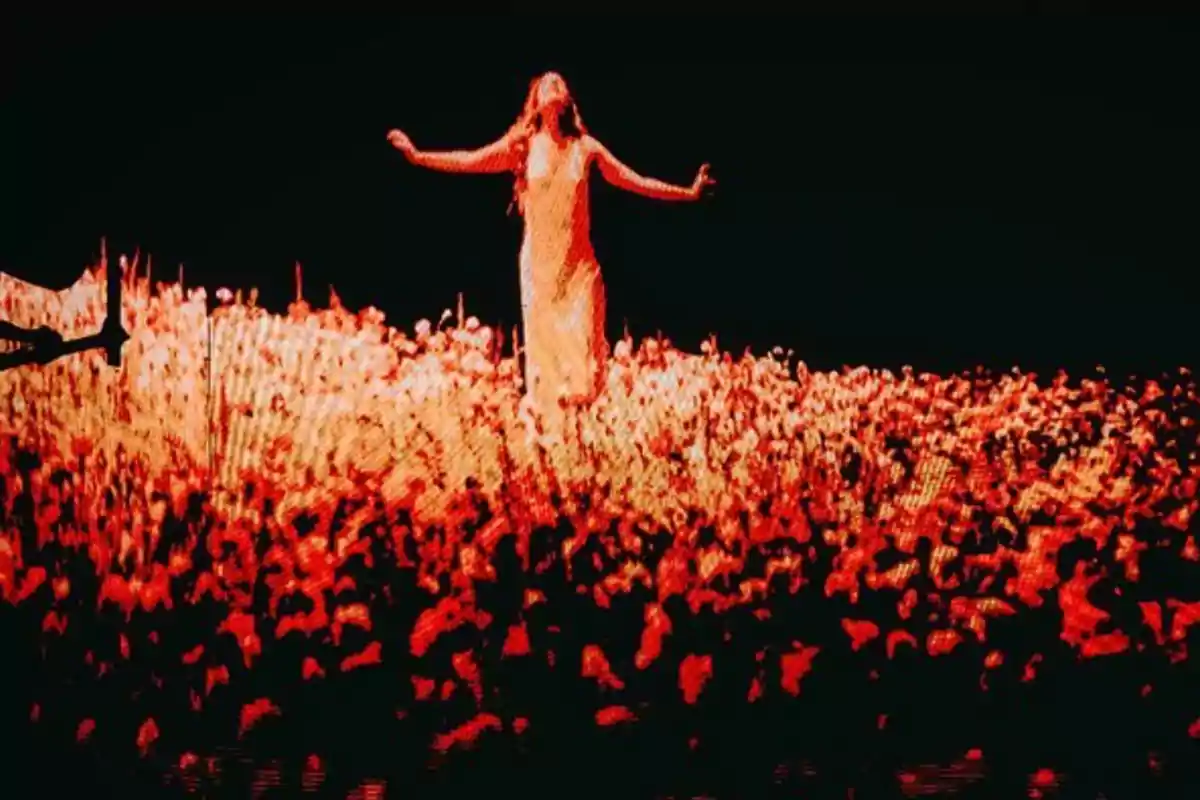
(528, 124)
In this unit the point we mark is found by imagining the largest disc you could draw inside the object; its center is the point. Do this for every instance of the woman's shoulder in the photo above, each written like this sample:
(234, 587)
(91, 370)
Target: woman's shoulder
(590, 146)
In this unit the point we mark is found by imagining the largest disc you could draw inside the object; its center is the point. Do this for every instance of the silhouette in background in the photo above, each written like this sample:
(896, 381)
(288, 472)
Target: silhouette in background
(43, 345)
(551, 154)
(35, 337)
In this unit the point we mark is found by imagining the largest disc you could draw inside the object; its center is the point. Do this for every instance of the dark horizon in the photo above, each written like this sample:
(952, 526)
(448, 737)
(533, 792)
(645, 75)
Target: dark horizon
(933, 195)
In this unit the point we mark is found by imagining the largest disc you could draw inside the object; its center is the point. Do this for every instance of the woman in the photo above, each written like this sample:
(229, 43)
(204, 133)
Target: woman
(562, 295)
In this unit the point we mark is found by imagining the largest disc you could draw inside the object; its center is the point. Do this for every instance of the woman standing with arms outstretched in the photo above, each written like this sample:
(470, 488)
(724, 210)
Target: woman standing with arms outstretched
(562, 294)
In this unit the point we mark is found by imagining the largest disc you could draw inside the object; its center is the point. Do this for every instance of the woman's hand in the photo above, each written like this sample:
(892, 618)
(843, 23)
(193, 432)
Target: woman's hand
(702, 182)
(399, 140)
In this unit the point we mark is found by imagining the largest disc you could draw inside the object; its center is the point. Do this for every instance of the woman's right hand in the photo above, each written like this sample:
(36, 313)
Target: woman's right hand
(399, 140)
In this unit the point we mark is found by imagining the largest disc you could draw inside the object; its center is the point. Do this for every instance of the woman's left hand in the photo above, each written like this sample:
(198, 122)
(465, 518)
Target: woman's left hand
(703, 181)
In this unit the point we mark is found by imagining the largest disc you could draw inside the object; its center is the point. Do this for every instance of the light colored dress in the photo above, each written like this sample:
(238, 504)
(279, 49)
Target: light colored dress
(562, 293)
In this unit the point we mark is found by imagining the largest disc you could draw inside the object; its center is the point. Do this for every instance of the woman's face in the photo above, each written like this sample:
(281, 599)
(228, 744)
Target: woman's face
(552, 94)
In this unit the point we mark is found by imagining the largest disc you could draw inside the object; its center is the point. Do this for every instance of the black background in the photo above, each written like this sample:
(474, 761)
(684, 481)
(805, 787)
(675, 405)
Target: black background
(926, 191)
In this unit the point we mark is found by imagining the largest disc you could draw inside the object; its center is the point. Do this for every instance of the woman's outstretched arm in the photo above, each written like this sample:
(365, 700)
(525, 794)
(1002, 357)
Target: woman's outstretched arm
(495, 157)
(624, 177)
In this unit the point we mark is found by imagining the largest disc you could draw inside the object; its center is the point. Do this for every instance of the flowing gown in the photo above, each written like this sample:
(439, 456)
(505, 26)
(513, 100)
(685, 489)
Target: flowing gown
(562, 293)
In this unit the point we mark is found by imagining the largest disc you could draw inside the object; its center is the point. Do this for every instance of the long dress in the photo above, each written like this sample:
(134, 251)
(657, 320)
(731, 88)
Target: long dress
(562, 293)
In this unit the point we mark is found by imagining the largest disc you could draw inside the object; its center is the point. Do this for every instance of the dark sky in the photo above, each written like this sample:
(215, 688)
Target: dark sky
(917, 191)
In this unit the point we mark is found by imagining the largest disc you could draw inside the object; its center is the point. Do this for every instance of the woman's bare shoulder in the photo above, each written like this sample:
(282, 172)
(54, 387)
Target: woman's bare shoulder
(591, 146)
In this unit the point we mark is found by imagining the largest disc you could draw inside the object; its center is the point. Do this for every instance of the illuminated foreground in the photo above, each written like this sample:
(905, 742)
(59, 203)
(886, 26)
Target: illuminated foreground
(928, 509)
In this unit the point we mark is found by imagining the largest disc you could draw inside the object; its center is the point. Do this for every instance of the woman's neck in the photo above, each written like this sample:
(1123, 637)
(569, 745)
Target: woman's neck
(551, 128)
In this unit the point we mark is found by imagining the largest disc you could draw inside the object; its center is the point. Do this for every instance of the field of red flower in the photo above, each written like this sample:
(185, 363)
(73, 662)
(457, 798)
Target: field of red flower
(263, 466)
